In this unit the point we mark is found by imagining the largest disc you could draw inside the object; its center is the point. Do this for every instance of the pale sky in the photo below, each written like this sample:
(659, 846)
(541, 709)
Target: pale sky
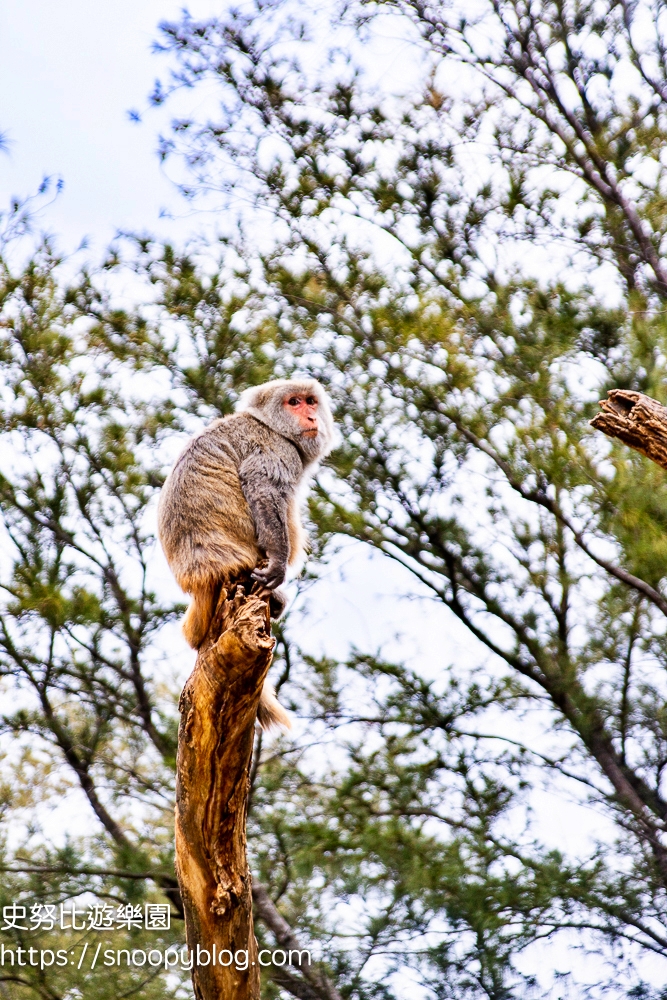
(69, 73)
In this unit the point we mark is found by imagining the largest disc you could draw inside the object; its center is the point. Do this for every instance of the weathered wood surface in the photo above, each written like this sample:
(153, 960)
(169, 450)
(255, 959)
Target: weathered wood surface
(636, 420)
(218, 710)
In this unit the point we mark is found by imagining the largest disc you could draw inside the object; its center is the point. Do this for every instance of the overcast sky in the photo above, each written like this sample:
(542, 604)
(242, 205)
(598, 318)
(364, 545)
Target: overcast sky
(69, 73)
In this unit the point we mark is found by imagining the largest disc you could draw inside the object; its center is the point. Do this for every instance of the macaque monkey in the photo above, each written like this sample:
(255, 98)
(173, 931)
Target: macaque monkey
(231, 502)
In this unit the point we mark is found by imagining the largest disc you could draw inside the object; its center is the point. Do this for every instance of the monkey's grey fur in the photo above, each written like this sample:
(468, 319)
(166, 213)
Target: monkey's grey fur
(231, 503)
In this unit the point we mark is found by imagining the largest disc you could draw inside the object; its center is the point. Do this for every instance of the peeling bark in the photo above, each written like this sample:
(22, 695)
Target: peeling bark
(218, 711)
(636, 420)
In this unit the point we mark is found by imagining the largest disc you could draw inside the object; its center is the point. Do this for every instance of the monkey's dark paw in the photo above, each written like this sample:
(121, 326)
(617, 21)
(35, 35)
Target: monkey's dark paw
(271, 576)
(277, 603)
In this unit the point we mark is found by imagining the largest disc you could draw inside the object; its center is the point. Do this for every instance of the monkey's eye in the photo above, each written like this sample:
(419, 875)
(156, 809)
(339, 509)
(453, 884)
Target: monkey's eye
(311, 401)
(293, 401)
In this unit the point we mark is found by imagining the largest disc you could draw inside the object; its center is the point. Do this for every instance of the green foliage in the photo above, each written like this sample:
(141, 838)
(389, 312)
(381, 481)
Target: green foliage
(437, 259)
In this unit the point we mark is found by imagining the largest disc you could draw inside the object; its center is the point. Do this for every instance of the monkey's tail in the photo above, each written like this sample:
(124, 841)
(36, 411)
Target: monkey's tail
(271, 712)
(198, 616)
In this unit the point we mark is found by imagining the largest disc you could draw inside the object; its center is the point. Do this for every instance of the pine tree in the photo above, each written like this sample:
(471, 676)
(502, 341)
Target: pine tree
(466, 330)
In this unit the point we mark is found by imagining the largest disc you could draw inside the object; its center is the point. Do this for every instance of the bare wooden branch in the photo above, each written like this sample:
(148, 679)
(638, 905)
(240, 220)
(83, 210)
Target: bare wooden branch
(636, 420)
(218, 711)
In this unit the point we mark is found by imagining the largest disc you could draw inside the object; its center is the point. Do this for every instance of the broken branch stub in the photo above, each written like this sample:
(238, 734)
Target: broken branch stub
(218, 710)
(636, 420)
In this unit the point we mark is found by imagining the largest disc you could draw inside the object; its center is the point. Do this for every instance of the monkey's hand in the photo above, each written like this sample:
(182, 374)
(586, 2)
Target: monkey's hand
(271, 575)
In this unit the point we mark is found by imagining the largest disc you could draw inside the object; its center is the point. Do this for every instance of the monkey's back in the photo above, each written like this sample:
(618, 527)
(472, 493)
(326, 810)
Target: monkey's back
(204, 522)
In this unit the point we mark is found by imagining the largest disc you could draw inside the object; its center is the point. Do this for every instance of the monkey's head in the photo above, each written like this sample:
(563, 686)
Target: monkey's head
(296, 408)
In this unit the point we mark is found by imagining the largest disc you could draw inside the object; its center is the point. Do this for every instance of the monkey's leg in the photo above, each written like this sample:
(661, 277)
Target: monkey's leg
(199, 614)
(277, 599)
(267, 498)
(277, 603)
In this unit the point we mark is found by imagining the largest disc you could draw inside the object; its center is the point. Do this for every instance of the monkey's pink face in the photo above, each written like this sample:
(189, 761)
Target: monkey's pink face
(303, 409)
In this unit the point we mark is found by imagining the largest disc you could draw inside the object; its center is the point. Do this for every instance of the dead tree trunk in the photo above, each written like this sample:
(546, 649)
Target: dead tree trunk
(218, 711)
(636, 420)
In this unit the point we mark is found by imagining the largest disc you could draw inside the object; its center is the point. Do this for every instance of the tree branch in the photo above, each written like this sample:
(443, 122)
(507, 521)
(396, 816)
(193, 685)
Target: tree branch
(636, 420)
(218, 712)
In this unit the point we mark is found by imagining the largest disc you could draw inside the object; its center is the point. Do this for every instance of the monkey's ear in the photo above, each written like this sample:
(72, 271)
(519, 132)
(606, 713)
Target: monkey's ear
(257, 396)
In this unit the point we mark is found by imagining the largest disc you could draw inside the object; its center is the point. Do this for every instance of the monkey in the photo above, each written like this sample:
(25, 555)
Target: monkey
(231, 502)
